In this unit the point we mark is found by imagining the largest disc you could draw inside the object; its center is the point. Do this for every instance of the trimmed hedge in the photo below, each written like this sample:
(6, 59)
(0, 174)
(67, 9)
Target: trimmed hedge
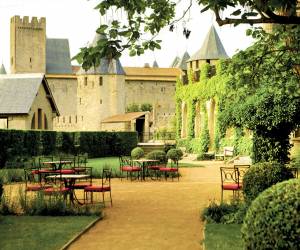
(157, 155)
(16, 144)
(137, 153)
(273, 221)
(261, 176)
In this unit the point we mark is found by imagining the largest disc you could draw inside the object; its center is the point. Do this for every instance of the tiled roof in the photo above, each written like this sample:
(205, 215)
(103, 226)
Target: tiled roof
(2, 70)
(139, 71)
(212, 47)
(127, 117)
(155, 64)
(18, 91)
(182, 61)
(174, 62)
(58, 60)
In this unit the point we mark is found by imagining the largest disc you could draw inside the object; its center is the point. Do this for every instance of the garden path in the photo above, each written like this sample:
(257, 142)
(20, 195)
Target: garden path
(156, 214)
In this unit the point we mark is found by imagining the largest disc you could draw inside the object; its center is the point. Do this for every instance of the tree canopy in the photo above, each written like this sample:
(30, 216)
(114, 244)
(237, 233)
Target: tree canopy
(144, 19)
(263, 91)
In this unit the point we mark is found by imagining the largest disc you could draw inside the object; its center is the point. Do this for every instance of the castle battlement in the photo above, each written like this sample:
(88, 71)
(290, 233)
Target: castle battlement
(25, 22)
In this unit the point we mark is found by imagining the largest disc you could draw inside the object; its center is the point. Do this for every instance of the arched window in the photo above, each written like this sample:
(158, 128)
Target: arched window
(33, 122)
(45, 122)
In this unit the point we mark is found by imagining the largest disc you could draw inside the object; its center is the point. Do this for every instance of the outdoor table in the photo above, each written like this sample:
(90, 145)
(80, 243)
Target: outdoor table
(144, 163)
(69, 181)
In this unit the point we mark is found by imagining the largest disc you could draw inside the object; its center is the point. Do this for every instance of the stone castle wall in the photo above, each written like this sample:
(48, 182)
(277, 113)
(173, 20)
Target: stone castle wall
(158, 93)
(28, 45)
(64, 91)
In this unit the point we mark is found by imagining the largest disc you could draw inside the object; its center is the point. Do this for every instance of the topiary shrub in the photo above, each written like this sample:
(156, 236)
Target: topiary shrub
(261, 176)
(137, 153)
(157, 155)
(273, 221)
(175, 154)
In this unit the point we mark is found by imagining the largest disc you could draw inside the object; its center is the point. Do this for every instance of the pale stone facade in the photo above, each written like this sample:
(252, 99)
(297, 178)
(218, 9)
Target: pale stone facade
(28, 45)
(85, 99)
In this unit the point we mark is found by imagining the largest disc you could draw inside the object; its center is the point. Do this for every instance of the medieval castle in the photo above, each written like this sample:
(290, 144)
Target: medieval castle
(44, 91)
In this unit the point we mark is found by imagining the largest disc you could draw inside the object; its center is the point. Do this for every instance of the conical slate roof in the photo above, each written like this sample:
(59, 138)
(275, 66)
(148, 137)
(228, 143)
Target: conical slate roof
(155, 64)
(106, 66)
(174, 62)
(181, 64)
(212, 47)
(2, 70)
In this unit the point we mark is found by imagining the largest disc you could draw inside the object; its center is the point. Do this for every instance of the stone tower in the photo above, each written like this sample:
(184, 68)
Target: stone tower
(101, 92)
(27, 45)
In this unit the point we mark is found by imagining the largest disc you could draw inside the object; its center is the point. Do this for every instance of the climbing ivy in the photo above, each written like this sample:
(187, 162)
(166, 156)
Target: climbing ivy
(191, 119)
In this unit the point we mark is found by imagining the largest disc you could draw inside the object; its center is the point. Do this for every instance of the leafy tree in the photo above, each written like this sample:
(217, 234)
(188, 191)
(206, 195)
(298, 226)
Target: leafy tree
(146, 107)
(133, 107)
(263, 92)
(148, 17)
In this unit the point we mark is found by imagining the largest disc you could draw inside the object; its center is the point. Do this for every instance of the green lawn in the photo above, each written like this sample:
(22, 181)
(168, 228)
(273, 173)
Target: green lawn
(113, 162)
(39, 232)
(223, 237)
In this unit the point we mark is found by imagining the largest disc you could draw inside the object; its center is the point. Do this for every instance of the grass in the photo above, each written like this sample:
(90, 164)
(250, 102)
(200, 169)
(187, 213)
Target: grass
(223, 237)
(36, 232)
(113, 162)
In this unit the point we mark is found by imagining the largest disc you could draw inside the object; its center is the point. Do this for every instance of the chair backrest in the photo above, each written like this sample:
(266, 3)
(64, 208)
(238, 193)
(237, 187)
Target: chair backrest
(68, 158)
(30, 177)
(106, 176)
(228, 151)
(241, 170)
(229, 175)
(174, 163)
(81, 160)
(125, 160)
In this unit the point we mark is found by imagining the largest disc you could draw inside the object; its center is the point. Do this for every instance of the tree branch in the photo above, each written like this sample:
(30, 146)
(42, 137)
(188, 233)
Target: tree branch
(272, 18)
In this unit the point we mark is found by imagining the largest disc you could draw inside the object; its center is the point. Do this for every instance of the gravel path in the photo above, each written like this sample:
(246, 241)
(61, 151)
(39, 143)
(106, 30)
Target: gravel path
(156, 214)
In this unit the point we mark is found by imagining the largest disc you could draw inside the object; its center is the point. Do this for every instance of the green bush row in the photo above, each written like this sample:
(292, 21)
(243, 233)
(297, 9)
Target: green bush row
(20, 143)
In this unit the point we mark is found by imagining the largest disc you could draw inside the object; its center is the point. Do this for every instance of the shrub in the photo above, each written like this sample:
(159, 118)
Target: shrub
(261, 176)
(225, 213)
(137, 153)
(157, 155)
(272, 221)
(175, 154)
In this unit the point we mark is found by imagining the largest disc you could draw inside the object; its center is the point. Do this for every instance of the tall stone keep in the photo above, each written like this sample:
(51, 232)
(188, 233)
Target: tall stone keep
(27, 45)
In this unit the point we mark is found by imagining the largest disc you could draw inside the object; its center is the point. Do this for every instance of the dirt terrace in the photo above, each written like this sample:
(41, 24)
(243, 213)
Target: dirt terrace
(156, 214)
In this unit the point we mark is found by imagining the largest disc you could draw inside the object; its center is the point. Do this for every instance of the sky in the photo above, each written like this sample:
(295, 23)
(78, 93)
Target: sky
(77, 20)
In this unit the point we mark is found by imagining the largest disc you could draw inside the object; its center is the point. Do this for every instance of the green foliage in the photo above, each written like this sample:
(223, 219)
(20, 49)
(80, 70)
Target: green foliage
(157, 155)
(191, 119)
(262, 176)
(175, 154)
(56, 206)
(164, 134)
(137, 153)
(18, 145)
(178, 118)
(263, 92)
(272, 221)
(146, 107)
(146, 18)
(225, 213)
(48, 141)
(133, 107)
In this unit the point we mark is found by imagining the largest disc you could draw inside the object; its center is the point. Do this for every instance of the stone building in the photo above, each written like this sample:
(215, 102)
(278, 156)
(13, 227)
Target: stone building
(86, 100)
(26, 102)
(211, 51)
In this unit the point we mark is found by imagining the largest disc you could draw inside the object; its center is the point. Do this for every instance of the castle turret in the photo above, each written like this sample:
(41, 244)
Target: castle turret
(101, 91)
(2, 70)
(210, 52)
(27, 45)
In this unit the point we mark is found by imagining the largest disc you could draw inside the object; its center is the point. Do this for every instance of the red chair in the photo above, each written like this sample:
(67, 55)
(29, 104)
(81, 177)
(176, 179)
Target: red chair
(32, 181)
(103, 188)
(230, 181)
(171, 171)
(126, 166)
